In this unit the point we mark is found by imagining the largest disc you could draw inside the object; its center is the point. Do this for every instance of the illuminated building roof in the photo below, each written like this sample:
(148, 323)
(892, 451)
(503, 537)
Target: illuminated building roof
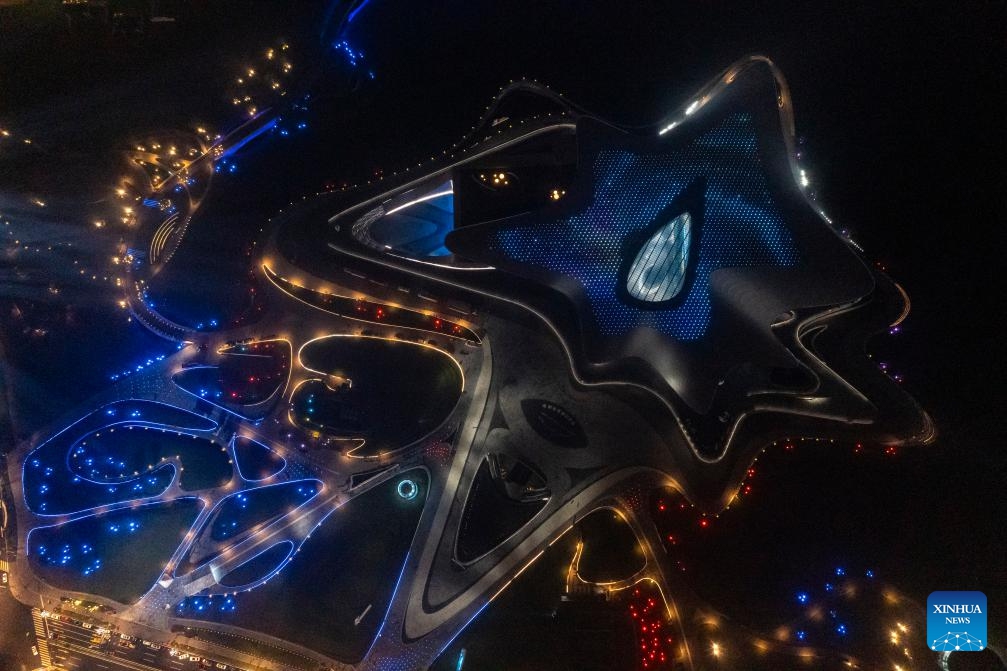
(687, 261)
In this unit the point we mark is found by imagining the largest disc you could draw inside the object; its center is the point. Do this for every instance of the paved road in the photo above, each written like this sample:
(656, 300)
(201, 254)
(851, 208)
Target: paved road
(17, 634)
(73, 647)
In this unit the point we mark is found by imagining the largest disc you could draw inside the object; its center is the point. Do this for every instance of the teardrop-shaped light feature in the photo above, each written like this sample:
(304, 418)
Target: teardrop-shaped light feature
(658, 271)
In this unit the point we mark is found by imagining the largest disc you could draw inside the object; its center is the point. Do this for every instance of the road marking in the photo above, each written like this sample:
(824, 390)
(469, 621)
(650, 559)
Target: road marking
(120, 662)
(42, 640)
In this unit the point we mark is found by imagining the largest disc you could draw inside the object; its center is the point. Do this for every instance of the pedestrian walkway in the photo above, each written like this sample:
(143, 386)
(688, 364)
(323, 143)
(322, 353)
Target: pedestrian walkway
(43, 638)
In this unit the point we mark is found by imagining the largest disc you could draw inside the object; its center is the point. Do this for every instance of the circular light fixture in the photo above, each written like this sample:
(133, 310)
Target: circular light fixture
(407, 489)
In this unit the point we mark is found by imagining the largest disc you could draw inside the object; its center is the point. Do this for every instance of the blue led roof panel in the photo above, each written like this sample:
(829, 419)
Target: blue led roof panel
(742, 226)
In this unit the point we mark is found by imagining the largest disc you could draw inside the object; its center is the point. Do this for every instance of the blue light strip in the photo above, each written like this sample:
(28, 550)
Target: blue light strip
(388, 610)
(89, 513)
(269, 125)
(353, 14)
(464, 627)
(269, 575)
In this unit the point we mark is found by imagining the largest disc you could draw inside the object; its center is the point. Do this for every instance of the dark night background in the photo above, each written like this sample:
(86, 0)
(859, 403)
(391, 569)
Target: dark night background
(900, 107)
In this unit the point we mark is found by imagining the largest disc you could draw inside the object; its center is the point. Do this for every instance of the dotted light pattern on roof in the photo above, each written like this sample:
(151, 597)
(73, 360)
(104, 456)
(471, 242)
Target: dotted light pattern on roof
(742, 226)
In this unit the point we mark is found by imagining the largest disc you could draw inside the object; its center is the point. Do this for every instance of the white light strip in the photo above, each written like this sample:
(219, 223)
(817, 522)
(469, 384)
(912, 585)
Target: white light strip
(667, 128)
(429, 196)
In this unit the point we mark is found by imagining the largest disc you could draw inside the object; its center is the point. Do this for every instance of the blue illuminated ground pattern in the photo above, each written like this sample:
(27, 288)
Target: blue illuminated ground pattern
(242, 511)
(73, 556)
(354, 57)
(80, 555)
(196, 605)
(742, 227)
(49, 485)
(117, 554)
(114, 454)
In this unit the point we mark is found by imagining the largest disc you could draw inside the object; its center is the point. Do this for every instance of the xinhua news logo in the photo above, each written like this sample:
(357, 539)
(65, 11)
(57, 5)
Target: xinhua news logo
(956, 621)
